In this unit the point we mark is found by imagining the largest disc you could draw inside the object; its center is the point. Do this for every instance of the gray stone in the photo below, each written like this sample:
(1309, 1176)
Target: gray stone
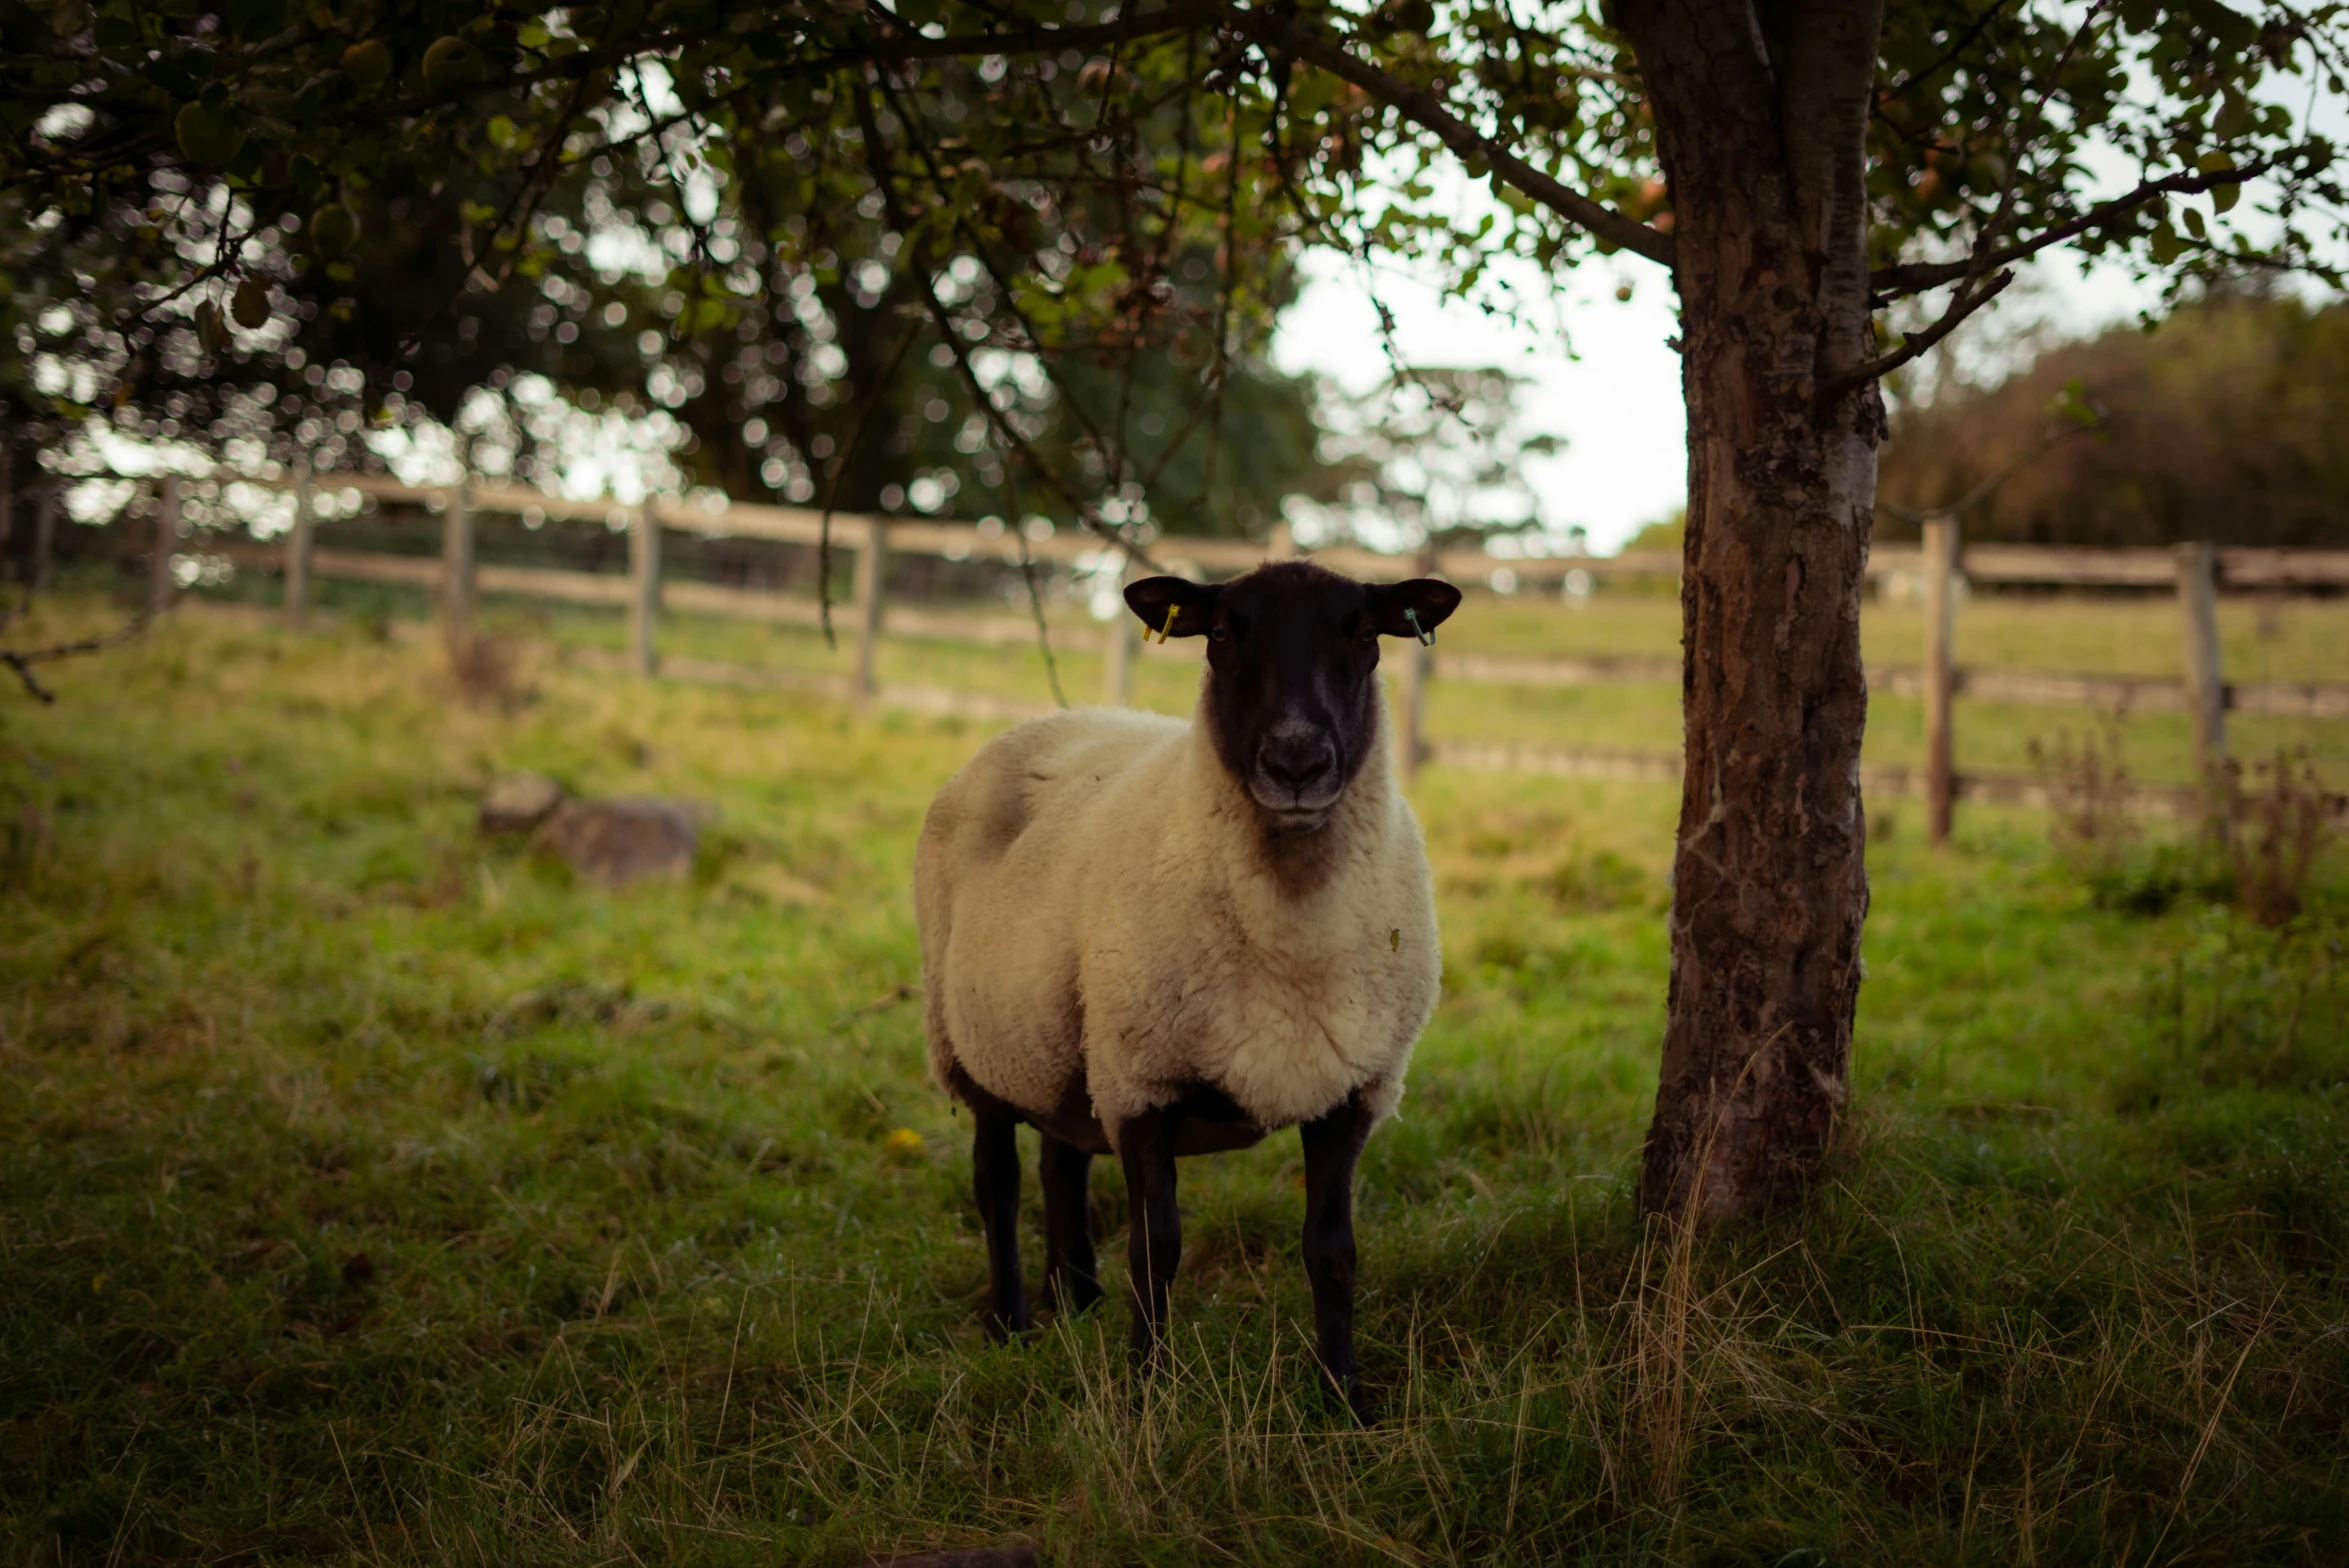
(616, 842)
(519, 802)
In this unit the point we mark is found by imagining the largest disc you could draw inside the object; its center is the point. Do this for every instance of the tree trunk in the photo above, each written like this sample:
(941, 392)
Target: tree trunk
(1761, 114)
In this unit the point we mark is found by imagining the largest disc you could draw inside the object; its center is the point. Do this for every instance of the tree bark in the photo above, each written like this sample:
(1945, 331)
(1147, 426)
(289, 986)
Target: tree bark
(1761, 113)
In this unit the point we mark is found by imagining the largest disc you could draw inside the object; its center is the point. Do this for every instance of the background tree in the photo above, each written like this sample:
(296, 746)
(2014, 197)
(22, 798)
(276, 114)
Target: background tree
(2228, 421)
(1436, 455)
(520, 203)
(1800, 166)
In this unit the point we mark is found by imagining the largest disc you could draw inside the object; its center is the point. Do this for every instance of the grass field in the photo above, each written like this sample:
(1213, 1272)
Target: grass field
(372, 1193)
(2266, 640)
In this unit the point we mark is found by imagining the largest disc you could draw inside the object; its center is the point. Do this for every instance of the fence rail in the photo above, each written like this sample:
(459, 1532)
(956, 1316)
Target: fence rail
(2000, 565)
(2195, 573)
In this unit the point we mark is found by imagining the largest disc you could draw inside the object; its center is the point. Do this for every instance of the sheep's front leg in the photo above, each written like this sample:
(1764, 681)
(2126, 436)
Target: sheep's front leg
(1154, 1244)
(1332, 1145)
(1070, 1274)
(995, 1183)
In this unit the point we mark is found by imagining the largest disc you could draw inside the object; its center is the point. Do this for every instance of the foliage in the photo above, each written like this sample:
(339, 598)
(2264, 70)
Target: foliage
(2226, 421)
(2274, 822)
(2090, 825)
(1665, 533)
(273, 224)
(735, 278)
(1437, 455)
(2260, 837)
(371, 1192)
(2257, 1003)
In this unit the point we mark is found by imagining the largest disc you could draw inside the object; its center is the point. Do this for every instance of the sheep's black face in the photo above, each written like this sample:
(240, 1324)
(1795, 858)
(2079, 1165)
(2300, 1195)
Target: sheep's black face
(1292, 655)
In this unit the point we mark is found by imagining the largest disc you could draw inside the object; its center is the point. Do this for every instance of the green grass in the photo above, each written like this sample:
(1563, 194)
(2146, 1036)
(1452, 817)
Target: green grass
(372, 1193)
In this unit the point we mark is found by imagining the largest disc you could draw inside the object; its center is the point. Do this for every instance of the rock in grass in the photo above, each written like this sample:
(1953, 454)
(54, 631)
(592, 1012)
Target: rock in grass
(616, 842)
(519, 802)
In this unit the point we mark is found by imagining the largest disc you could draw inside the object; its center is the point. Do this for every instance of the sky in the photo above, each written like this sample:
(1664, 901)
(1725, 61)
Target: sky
(1607, 382)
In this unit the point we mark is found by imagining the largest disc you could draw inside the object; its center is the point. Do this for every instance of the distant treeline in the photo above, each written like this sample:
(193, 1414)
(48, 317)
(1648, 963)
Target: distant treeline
(2229, 421)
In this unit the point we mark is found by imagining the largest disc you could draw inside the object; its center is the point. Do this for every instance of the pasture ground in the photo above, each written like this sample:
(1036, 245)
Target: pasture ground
(372, 1193)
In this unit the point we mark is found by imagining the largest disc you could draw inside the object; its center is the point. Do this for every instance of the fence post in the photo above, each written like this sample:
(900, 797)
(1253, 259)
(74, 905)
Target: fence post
(162, 587)
(297, 553)
(1122, 640)
(872, 573)
(456, 564)
(2206, 689)
(1941, 555)
(644, 598)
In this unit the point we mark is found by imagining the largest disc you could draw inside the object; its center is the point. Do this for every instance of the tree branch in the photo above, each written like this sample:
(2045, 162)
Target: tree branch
(1970, 298)
(1416, 104)
(22, 660)
(1915, 277)
(1427, 111)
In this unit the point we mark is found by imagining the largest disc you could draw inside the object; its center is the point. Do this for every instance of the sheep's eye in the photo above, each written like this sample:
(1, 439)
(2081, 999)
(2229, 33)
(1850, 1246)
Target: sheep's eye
(1219, 633)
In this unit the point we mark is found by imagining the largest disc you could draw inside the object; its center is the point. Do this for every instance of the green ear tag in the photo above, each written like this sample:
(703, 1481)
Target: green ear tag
(1420, 631)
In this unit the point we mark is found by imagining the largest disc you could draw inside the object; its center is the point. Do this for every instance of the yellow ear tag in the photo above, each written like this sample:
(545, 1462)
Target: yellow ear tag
(1166, 631)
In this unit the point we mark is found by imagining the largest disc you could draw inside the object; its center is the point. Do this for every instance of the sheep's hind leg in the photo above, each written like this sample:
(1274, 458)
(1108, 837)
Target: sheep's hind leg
(1154, 1243)
(995, 1183)
(1071, 1276)
(1332, 1145)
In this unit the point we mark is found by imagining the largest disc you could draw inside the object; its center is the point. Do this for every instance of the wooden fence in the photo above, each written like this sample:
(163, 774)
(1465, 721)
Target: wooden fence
(2195, 573)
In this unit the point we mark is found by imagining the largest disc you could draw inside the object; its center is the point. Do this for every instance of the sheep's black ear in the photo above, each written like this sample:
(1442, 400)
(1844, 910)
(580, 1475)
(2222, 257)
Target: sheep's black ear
(1173, 606)
(1394, 607)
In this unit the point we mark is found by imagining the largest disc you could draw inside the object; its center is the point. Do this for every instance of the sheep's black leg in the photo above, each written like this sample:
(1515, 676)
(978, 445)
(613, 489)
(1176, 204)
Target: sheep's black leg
(1070, 1275)
(1154, 1244)
(1332, 1145)
(995, 1182)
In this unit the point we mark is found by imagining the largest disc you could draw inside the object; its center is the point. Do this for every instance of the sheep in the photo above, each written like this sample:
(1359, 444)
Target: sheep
(1149, 937)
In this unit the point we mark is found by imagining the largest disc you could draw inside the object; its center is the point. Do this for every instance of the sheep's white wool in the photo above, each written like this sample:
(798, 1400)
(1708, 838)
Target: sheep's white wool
(1093, 894)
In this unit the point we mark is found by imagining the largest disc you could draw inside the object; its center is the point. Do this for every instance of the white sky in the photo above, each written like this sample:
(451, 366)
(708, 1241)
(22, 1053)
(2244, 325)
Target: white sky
(1607, 382)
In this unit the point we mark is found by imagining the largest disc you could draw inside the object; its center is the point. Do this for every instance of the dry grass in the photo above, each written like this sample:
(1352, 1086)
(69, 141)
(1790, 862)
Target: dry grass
(2276, 822)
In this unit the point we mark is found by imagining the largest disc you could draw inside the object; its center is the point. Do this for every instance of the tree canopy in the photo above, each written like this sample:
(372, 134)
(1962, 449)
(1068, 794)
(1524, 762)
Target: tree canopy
(748, 214)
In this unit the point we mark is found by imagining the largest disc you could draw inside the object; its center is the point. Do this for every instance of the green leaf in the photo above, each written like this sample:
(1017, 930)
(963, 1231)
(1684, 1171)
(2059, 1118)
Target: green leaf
(208, 136)
(2232, 110)
(250, 305)
(2072, 404)
(211, 329)
(2224, 197)
(368, 63)
(452, 65)
(2214, 162)
(334, 230)
(2194, 224)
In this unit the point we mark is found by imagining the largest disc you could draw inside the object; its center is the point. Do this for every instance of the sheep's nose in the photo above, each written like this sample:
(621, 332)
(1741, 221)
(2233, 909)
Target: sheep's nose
(1298, 763)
